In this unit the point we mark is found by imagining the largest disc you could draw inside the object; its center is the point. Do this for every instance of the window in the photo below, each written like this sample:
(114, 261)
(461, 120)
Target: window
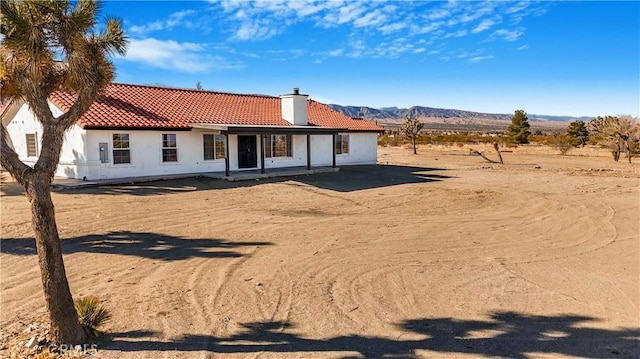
(32, 145)
(121, 148)
(342, 144)
(169, 148)
(221, 147)
(278, 146)
(214, 146)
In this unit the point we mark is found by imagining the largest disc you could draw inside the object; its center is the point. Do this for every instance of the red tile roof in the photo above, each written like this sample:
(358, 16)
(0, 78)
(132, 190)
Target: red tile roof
(151, 107)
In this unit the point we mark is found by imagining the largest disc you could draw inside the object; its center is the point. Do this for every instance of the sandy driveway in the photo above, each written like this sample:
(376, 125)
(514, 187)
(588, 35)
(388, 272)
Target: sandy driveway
(435, 255)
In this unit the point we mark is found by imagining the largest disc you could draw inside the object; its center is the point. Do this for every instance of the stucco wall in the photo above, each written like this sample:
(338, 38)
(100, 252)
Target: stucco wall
(363, 149)
(146, 155)
(24, 122)
(72, 159)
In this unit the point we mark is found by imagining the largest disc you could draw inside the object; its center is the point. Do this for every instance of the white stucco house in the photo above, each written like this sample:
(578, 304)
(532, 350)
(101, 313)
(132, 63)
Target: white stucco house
(139, 130)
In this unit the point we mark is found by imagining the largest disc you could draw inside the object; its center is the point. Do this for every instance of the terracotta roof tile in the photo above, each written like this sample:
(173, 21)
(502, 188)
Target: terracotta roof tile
(144, 107)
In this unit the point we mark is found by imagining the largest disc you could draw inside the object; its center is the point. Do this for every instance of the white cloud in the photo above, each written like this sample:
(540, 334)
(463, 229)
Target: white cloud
(172, 21)
(172, 55)
(480, 58)
(371, 21)
(507, 35)
(142, 29)
(427, 28)
(336, 52)
(350, 12)
(391, 28)
(258, 30)
(517, 7)
(437, 14)
(459, 33)
(484, 25)
(523, 47)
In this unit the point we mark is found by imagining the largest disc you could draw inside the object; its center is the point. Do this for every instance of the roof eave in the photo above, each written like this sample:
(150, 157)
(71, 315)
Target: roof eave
(267, 129)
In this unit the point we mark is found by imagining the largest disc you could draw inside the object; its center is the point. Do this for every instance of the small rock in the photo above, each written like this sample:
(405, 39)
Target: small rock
(32, 342)
(537, 166)
(30, 328)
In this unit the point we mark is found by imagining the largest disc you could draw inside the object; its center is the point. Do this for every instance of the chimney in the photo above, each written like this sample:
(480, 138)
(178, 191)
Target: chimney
(294, 107)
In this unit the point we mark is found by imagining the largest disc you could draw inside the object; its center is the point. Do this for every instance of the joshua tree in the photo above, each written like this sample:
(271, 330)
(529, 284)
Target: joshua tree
(52, 46)
(618, 134)
(411, 128)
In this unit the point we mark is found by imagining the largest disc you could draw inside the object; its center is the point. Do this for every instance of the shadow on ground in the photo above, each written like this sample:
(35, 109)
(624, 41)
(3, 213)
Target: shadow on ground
(141, 244)
(356, 178)
(348, 179)
(505, 334)
(10, 188)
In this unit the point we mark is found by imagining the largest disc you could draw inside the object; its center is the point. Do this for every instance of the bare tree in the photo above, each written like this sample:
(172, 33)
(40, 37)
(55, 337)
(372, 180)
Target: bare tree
(411, 128)
(46, 47)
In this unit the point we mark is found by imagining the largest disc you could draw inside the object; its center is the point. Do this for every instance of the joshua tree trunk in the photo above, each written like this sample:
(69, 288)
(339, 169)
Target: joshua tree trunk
(413, 140)
(497, 148)
(65, 327)
(30, 72)
(616, 153)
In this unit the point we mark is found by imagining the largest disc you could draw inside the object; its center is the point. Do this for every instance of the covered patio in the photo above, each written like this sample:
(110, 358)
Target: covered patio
(262, 132)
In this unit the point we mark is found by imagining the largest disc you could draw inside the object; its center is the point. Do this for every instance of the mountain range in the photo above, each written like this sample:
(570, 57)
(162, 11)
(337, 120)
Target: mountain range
(395, 115)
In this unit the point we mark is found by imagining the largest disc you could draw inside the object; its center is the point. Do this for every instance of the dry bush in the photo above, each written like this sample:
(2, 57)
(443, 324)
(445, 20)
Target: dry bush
(392, 141)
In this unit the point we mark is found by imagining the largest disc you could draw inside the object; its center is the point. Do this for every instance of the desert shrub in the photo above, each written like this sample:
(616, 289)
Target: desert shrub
(92, 314)
(458, 139)
(383, 140)
(393, 141)
(562, 142)
(541, 139)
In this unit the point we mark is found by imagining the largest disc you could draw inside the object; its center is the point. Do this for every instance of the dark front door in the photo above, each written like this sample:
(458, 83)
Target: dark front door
(247, 152)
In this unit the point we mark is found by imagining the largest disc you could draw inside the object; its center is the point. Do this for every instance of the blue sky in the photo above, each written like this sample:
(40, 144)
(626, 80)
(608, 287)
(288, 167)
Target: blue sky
(553, 58)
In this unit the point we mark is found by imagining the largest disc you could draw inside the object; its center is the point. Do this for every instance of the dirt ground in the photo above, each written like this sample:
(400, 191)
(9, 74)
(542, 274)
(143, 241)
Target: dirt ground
(437, 255)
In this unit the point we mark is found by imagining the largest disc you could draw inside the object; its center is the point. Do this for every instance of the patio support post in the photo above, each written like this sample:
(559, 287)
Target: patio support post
(334, 150)
(262, 153)
(308, 152)
(226, 155)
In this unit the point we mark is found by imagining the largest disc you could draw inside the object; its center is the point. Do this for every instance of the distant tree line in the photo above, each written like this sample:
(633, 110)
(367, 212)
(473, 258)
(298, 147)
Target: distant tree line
(620, 134)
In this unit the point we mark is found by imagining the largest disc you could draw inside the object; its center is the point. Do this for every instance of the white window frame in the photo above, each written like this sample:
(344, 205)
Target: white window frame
(218, 140)
(114, 148)
(175, 148)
